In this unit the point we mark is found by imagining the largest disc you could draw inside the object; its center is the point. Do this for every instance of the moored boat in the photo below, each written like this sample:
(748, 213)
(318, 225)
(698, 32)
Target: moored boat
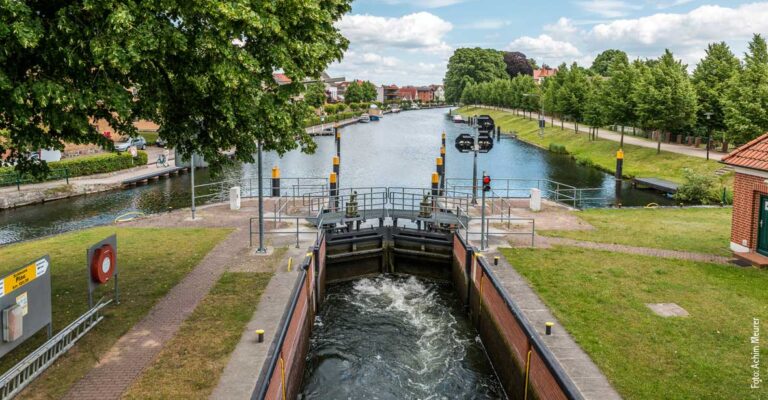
(458, 119)
(365, 118)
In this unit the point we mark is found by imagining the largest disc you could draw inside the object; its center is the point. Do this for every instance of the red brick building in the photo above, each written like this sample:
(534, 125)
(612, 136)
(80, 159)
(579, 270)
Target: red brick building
(749, 228)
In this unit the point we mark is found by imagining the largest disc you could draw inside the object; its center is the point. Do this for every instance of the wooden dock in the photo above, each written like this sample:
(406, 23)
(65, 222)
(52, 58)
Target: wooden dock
(166, 172)
(655, 184)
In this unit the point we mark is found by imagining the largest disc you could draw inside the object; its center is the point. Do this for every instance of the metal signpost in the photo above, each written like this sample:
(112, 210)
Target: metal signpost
(477, 144)
(192, 178)
(101, 259)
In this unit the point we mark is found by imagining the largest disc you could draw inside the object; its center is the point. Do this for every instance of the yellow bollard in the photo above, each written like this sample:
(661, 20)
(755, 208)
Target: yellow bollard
(260, 334)
(290, 263)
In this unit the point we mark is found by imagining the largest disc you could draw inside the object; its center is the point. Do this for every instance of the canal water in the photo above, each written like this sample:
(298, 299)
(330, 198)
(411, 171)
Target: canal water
(399, 150)
(395, 337)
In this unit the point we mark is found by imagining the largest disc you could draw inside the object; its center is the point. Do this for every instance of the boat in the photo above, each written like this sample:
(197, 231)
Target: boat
(374, 117)
(458, 119)
(365, 118)
(396, 110)
(374, 113)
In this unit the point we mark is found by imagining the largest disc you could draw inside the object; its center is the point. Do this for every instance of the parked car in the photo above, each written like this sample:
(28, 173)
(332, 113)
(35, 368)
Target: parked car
(160, 142)
(137, 141)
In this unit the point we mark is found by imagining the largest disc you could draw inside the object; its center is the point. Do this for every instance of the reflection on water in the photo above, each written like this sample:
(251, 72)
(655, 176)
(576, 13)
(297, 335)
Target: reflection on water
(399, 150)
(394, 337)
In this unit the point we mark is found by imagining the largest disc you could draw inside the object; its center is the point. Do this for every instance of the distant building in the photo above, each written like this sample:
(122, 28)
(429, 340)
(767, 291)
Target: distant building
(749, 225)
(543, 73)
(438, 93)
(391, 93)
(380, 94)
(425, 94)
(409, 93)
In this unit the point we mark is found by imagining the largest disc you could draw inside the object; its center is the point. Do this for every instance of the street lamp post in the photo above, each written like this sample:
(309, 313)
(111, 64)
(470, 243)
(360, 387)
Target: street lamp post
(261, 248)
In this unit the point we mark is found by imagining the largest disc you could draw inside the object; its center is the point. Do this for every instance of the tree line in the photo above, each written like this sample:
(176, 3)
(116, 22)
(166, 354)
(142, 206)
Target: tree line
(723, 97)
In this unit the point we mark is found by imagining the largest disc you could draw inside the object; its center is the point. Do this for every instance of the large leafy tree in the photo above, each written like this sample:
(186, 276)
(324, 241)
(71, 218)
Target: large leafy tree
(665, 97)
(603, 61)
(202, 70)
(572, 92)
(746, 99)
(471, 65)
(360, 92)
(617, 99)
(315, 94)
(710, 78)
(517, 64)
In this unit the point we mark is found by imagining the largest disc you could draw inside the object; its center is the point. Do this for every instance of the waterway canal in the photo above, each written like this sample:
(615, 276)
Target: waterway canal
(399, 150)
(395, 337)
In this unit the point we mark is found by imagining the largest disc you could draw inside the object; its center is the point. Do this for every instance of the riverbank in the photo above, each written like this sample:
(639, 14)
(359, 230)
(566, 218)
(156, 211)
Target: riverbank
(639, 161)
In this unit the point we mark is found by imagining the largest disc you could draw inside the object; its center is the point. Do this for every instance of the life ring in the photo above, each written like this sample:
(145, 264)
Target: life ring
(103, 264)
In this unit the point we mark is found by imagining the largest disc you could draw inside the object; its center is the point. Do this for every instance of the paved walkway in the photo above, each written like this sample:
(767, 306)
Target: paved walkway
(634, 140)
(135, 350)
(544, 241)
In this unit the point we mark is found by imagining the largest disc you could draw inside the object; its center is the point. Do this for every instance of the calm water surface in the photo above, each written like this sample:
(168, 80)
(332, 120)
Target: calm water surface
(399, 150)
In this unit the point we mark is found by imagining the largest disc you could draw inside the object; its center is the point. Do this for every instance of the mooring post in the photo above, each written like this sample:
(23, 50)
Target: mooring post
(619, 174)
(338, 141)
(439, 170)
(334, 200)
(435, 190)
(337, 169)
(275, 181)
(442, 180)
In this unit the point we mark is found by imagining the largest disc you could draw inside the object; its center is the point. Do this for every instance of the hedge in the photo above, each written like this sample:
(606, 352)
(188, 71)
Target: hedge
(90, 165)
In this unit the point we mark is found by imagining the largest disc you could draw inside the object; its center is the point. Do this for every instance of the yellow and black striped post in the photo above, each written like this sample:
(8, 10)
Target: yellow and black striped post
(435, 183)
(275, 181)
(338, 141)
(619, 164)
(443, 140)
(442, 179)
(333, 192)
(337, 169)
(439, 170)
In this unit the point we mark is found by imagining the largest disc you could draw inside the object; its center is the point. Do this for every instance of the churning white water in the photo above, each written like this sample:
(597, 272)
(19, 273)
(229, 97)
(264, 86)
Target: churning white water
(394, 337)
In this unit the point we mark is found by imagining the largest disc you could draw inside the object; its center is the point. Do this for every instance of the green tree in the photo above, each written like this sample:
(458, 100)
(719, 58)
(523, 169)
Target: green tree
(618, 100)
(572, 93)
(710, 78)
(746, 99)
(360, 92)
(471, 65)
(665, 97)
(314, 96)
(202, 70)
(595, 111)
(603, 61)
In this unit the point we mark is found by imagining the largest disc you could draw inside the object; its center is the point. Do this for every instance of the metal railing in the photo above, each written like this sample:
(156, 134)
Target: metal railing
(18, 179)
(18, 377)
(249, 187)
(511, 188)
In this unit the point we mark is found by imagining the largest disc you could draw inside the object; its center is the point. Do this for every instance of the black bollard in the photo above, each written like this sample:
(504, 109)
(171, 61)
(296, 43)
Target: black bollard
(439, 170)
(334, 192)
(619, 164)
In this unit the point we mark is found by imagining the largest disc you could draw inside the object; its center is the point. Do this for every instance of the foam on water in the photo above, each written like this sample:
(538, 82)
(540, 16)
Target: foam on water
(394, 337)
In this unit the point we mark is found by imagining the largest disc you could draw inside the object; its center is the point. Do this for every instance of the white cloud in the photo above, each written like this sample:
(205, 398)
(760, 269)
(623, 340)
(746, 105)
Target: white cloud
(487, 24)
(609, 8)
(427, 3)
(422, 31)
(686, 34)
(544, 47)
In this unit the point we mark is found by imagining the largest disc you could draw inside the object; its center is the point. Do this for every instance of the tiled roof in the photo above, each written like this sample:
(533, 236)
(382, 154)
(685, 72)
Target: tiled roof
(543, 73)
(752, 155)
(281, 79)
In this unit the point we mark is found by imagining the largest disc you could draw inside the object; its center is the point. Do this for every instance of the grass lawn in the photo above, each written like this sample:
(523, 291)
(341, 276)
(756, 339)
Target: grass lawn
(189, 366)
(151, 261)
(638, 161)
(600, 298)
(702, 230)
(151, 137)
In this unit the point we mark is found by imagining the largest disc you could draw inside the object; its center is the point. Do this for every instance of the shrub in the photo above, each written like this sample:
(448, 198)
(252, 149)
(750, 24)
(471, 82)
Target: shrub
(697, 189)
(81, 166)
(557, 148)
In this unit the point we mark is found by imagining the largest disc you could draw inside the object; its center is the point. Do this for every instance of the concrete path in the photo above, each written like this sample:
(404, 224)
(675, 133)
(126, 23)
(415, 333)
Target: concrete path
(238, 381)
(634, 140)
(545, 241)
(585, 374)
(135, 350)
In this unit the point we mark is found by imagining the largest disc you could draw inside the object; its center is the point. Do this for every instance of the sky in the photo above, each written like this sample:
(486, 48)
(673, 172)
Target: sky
(410, 41)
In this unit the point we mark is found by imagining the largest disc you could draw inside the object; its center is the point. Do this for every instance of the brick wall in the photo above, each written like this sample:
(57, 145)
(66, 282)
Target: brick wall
(746, 198)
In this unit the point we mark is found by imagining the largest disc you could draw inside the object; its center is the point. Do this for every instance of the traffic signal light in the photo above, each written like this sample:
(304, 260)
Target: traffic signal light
(486, 183)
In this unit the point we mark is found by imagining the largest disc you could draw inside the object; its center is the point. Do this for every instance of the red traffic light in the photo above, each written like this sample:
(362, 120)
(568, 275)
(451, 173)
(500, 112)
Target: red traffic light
(486, 180)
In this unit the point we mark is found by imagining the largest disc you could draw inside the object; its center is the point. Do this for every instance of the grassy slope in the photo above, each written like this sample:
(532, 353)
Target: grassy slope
(151, 262)
(703, 230)
(189, 366)
(638, 161)
(602, 304)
